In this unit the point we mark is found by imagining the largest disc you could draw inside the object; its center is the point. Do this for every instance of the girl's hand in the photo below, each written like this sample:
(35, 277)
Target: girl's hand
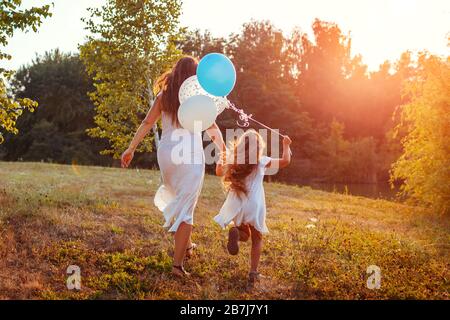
(221, 163)
(126, 158)
(285, 160)
(223, 157)
(287, 141)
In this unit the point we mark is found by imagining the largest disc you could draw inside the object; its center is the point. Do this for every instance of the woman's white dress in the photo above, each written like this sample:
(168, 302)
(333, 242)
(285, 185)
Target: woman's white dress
(182, 164)
(250, 209)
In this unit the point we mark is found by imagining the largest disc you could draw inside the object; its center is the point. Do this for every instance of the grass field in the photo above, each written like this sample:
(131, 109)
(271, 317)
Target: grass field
(104, 221)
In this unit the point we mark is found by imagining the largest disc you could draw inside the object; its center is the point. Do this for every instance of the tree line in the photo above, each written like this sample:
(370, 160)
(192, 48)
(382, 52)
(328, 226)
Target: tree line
(339, 114)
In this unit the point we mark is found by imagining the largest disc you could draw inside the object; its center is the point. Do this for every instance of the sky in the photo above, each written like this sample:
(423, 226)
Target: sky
(380, 29)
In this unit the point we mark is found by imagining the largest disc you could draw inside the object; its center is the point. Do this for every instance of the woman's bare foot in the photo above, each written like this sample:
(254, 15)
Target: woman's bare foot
(190, 251)
(179, 271)
(233, 241)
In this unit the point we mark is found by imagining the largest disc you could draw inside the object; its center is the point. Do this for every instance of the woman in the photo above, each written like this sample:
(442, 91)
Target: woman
(182, 183)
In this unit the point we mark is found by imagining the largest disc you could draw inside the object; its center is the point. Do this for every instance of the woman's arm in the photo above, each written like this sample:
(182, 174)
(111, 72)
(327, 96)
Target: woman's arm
(285, 160)
(150, 119)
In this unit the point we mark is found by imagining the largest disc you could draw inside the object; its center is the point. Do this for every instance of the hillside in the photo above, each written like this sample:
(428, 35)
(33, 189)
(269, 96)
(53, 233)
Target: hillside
(104, 221)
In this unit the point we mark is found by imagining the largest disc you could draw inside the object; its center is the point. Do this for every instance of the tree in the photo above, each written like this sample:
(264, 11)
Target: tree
(323, 67)
(333, 159)
(424, 166)
(56, 131)
(132, 43)
(198, 44)
(13, 18)
(333, 83)
(346, 161)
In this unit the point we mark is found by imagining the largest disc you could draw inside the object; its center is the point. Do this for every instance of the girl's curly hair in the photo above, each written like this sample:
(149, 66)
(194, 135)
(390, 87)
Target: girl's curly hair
(242, 161)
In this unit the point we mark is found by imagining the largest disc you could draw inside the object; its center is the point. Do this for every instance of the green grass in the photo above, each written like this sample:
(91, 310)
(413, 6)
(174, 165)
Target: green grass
(104, 220)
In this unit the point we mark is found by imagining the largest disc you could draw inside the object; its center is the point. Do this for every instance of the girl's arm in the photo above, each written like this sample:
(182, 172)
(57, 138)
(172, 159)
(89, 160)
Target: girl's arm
(150, 119)
(285, 160)
(216, 136)
(220, 165)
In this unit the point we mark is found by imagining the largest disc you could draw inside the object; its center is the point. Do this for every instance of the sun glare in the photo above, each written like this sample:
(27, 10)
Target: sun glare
(380, 30)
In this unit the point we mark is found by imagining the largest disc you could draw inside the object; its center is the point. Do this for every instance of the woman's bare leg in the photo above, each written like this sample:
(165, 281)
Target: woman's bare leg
(189, 243)
(256, 249)
(190, 248)
(182, 240)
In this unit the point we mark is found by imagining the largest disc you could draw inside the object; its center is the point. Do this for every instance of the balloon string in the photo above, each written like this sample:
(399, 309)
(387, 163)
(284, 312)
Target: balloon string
(263, 125)
(249, 117)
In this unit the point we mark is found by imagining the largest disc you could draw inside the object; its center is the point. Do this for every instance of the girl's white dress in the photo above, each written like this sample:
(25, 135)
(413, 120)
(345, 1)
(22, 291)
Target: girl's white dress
(182, 164)
(251, 209)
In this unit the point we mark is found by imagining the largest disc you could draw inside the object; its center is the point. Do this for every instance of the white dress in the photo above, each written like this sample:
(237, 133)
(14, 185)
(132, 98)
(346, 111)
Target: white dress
(182, 179)
(251, 209)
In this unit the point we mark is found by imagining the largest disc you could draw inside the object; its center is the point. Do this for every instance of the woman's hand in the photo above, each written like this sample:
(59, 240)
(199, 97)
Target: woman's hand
(126, 158)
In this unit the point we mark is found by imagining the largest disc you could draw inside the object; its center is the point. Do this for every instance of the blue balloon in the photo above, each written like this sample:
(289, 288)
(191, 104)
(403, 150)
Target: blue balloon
(216, 74)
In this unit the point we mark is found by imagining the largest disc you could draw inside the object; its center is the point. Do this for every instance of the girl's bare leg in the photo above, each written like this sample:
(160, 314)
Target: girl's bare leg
(182, 240)
(256, 249)
(244, 232)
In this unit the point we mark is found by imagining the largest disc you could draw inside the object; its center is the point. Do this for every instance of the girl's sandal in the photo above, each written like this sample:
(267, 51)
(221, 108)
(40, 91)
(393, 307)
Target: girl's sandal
(180, 272)
(190, 250)
(253, 278)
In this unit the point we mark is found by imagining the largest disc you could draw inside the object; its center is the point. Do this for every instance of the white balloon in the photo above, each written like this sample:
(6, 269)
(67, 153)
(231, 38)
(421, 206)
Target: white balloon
(221, 104)
(197, 113)
(191, 87)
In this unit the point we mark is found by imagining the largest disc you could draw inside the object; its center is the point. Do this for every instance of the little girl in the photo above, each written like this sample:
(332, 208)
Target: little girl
(243, 175)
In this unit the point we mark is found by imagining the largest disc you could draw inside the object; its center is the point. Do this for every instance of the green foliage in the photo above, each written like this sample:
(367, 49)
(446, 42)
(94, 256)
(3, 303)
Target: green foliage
(132, 43)
(341, 160)
(424, 166)
(13, 18)
(56, 131)
(335, 153)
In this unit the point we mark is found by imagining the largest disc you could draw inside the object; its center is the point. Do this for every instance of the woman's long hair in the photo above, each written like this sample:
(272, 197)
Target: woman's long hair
(170, 82)
(242, 161)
